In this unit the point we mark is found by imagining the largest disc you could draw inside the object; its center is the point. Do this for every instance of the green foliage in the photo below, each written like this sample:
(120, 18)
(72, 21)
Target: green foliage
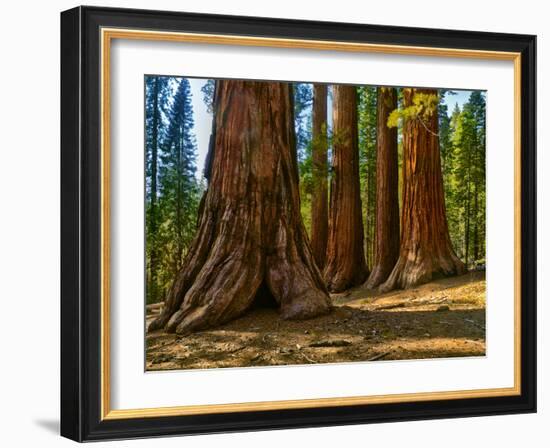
(173, 191)
(303, 102)
(157, 103)
(447, 161)
(423, 107)
(208, 94)
(462, 150)
(463, 163)
(367, 123)
(172, 216)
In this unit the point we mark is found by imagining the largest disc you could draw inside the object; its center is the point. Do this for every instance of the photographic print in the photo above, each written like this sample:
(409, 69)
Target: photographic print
(232, 217)
(304, 223)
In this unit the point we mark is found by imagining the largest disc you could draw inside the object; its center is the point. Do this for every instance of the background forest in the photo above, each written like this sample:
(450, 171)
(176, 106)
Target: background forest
(175, 158)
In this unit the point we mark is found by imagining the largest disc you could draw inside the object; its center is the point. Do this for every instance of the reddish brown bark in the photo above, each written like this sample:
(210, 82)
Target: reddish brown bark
(319, 197)
(345, 266)
(425, 251)
(251, 236)
(386, 250)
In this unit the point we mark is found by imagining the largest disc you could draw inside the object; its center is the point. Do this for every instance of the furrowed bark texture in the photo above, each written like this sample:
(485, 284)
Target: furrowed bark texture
(426, 251)
(386, 250)
(251, 234)
(345, 266)
(319, 197)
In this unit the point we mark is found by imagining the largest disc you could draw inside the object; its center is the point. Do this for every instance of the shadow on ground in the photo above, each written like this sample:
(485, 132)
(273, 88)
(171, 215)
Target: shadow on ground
(438, 320)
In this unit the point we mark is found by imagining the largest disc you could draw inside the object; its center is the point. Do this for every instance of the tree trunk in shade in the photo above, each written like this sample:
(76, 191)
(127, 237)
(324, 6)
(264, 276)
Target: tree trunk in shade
(345, 265)
(319, 197)
(386, 251)
(251, 240)
(425, 251)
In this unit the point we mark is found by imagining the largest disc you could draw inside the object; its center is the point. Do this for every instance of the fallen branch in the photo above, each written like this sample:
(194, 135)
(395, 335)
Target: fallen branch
(307, 358)
(331, 343)
(379, 356)
(389, 307)
(235, 350)
(475, 324)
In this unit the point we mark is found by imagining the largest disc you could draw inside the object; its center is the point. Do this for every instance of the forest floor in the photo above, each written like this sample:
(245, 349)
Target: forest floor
(444, 318)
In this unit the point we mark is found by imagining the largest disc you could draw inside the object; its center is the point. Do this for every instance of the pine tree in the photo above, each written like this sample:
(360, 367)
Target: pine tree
(469, 177)
(180, 189)
(303, 101)
(476, 104)
(303, 126)
(208, 94)
(450, 180)
(464, 142)
(157, 91)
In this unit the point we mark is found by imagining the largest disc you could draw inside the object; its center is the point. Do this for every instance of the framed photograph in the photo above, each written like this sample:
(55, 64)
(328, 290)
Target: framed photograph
(273, 223)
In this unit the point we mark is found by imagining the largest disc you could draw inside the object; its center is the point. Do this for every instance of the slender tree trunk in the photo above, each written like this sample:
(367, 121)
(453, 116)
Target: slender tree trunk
(345, 265)
(319, 197)
(387, 238)
(425, 251)
(251, 236)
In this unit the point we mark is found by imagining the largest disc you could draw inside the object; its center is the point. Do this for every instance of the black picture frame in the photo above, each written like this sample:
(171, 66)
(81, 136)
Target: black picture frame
(81, 224)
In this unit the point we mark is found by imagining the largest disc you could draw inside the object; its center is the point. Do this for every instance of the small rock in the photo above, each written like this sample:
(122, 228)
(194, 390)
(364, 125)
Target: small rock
(306, 331)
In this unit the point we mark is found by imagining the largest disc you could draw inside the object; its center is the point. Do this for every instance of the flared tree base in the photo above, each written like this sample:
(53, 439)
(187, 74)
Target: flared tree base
(408, 272)
(251, 233)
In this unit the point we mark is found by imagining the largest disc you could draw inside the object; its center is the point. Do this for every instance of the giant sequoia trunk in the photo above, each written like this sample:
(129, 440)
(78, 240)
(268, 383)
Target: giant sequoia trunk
(251, 237)
(319, 197)
(345, 266)
(426, 251)
(386, 250)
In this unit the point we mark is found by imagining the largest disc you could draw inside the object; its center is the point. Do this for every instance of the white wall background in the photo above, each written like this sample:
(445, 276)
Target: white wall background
(29, 224)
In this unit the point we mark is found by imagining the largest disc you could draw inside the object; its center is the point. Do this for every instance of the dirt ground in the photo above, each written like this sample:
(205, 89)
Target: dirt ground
(444, 318)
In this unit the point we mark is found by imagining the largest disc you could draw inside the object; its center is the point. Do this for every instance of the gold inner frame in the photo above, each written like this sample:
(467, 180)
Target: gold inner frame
(107, 35)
